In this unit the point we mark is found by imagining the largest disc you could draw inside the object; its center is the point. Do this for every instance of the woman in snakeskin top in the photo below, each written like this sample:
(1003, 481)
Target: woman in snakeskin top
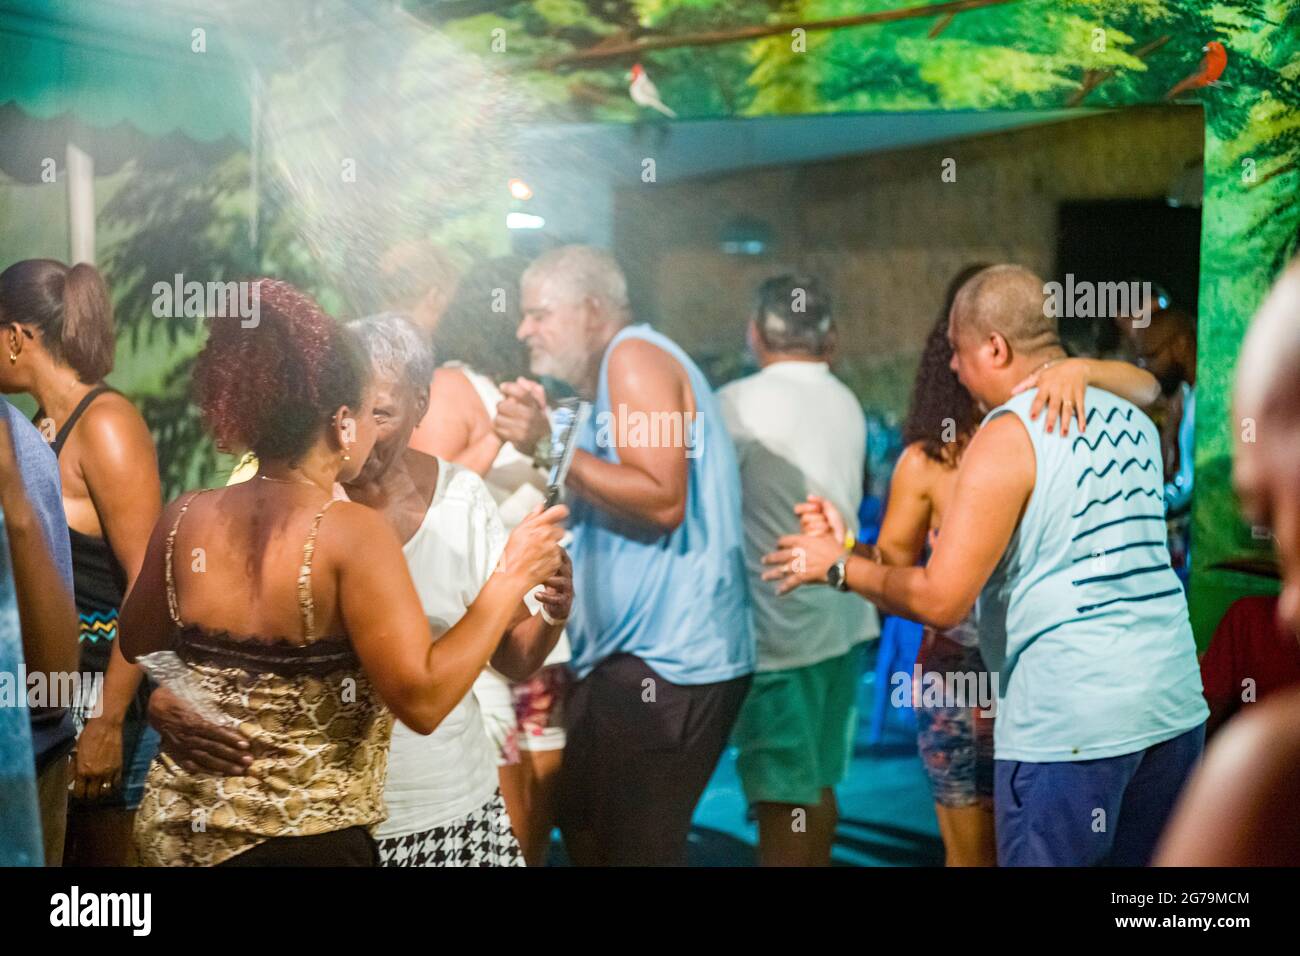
(294, 613)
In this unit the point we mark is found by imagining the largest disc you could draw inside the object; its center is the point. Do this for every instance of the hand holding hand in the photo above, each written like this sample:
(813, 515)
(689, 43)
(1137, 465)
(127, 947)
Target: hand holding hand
(521, 417)
(557, 596)
(532, 553)
(802, 559)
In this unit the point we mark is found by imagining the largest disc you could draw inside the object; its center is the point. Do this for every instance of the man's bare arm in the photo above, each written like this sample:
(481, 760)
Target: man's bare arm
(993, 484)
(648, 484)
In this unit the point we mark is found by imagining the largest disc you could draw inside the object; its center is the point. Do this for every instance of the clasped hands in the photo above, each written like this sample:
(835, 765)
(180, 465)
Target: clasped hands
(521, 418)
(804, 558)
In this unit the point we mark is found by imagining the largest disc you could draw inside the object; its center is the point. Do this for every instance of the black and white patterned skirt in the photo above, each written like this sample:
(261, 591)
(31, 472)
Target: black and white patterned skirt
(480, 838)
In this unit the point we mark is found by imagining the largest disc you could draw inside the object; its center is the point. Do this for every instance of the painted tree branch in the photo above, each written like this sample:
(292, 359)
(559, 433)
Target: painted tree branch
(636, 48)
(1094, 78)
(940, 25)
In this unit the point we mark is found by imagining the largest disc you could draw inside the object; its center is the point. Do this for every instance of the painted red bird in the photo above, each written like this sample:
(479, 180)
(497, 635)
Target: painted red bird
(1212, 66)
(644, 92)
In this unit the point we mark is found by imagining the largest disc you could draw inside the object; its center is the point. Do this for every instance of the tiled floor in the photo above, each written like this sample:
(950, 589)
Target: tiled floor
(886, 815)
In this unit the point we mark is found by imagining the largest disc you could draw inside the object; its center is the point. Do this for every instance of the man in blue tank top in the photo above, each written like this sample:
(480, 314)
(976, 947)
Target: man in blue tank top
(1100, 715)
(660, 629)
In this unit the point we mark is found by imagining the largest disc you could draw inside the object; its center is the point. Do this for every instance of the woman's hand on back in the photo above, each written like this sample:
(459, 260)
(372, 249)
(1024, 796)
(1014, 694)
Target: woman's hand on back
(193, 742)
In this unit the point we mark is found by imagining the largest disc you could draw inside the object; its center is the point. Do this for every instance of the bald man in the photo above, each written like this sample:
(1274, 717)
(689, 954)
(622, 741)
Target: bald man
(1100, 715)
(417, 278)
(1243, 806)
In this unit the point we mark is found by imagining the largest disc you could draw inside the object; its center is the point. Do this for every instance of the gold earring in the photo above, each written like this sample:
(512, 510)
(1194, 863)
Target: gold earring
(13, 359)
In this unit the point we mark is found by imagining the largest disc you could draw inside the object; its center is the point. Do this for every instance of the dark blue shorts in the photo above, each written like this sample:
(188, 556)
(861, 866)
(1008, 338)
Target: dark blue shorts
(1106, 812)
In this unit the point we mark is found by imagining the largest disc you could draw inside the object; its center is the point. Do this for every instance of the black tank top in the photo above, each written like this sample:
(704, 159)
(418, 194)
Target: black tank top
(98, 581)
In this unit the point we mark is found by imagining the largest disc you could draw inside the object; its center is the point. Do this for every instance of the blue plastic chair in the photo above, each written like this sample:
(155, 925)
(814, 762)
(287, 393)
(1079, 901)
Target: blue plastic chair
(900, 641)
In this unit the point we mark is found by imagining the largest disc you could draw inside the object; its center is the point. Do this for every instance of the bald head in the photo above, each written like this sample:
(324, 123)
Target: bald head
(1266, 467)
(1009, 301)
(417, 278)
(1268, 371)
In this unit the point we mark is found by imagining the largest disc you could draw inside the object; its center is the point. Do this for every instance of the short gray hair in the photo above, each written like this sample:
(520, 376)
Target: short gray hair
(395, 346)
(584, 271)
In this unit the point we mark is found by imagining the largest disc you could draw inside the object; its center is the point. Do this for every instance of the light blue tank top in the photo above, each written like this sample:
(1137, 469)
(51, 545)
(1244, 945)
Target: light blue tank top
(677, 601)
(1083, 617)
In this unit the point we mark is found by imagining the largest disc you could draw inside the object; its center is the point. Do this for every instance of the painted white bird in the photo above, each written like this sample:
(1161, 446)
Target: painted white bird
(644, 92)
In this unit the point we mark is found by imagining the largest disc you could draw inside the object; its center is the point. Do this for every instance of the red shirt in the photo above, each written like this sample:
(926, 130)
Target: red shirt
(1249, 644)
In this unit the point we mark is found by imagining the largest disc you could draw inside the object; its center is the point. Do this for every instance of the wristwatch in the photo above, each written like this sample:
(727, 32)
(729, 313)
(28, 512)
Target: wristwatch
(835, 575)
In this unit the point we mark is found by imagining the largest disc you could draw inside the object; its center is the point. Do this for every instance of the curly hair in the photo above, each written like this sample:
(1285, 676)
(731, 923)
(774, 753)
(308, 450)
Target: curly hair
(942, 416)
(479, 326)
(272, 386)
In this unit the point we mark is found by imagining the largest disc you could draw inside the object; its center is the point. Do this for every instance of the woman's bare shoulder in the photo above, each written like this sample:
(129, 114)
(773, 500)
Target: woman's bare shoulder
(450, 376)
(1267, 736)
(918, 469)
(452, 393)
(451, 382)
(355, 532)
(112, 427)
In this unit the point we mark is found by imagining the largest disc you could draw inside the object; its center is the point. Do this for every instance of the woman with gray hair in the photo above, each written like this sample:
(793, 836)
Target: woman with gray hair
(477, 349)
(444, 805)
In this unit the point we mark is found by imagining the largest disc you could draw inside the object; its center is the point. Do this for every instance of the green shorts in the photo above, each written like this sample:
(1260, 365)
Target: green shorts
(796, 728)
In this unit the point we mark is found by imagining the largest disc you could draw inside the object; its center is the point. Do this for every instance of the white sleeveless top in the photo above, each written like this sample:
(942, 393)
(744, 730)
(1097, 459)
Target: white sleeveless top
(517, 486)
(441, 777)
(1083, 617)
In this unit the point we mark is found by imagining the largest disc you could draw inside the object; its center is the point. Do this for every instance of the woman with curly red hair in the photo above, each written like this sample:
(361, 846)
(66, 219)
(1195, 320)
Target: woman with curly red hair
(293, 612)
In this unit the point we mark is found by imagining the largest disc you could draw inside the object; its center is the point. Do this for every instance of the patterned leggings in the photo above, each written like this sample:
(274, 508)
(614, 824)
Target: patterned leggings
(956, 743)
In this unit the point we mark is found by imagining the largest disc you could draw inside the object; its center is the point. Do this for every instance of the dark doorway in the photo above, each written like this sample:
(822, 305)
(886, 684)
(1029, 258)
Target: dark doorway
(1125, 240)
